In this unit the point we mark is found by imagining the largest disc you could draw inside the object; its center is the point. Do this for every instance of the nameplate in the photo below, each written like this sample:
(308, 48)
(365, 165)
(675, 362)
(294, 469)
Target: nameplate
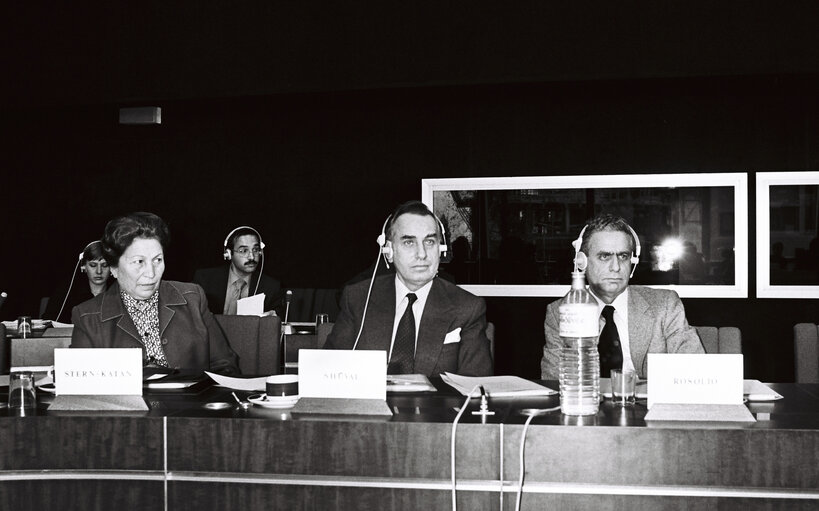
(343, 374)
(98, 371)
(695, 379)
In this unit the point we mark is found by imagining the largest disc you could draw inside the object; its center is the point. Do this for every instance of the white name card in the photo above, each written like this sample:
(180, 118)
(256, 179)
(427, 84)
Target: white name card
(98, 371)
(343, 374)
(695, 379)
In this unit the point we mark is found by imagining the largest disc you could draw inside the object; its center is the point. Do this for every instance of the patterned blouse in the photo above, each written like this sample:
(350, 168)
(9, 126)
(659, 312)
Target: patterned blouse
(145, 314)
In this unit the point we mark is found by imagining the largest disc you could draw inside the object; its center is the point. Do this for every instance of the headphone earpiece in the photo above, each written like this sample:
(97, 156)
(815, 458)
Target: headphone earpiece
(226, 254)
(82, 269)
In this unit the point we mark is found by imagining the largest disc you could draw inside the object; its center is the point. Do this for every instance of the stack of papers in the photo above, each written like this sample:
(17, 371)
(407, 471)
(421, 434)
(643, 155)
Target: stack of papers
(249, 384)
(497, 386)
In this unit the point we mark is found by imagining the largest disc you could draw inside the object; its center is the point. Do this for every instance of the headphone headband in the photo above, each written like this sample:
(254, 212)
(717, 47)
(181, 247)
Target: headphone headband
(82, 253)
(227, 238)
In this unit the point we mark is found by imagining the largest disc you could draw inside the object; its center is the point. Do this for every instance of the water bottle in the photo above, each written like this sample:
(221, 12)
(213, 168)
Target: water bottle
(579, 368)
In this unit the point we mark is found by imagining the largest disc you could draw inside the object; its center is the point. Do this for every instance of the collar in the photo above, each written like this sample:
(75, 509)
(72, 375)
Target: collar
(233, 276)
(620, 303)
(401, 291)
(112, 306)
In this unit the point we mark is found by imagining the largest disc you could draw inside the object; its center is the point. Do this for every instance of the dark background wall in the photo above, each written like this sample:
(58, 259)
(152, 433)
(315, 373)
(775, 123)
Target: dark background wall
(311, 122)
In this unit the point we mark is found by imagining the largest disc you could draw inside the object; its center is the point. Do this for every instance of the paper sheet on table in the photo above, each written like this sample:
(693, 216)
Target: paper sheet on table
(409, 383)
(251, 306)
(497, 386)
(755, 390)
(257, 384)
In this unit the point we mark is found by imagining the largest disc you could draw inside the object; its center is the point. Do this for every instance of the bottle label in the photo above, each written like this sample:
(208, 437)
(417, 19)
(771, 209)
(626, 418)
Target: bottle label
(579, 320)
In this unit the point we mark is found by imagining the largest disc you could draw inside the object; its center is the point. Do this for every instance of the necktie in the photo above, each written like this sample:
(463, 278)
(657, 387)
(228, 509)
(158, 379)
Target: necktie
(238, 287)
(402, 360)
(611, 354)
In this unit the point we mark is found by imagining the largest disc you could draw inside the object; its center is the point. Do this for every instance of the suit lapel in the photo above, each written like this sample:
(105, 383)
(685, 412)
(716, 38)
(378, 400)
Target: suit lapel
(112, 308)
(380, 315)
(639, 327)
(169, 297)
(434, 324)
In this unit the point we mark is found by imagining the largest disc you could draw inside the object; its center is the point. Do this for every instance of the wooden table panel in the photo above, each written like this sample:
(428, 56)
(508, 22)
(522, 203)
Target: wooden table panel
(81, 495)
(94, 442)
(195, 496)
(366, 449)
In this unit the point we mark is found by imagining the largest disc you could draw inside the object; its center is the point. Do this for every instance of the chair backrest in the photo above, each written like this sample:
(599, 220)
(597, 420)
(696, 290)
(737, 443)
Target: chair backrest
(43, 306)
(806, 352)
(322, 332)
(36, 351)
(255, 340)
(724, 339)
(307, 302)
(4, 350)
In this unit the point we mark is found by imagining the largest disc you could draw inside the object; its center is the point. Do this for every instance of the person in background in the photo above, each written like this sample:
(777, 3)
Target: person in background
(169, 320)
(641, 320)
(426, 324)
(226, 284)
(96, 269)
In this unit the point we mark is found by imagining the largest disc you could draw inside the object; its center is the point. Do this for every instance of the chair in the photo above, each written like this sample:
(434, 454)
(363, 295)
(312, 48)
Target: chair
(255, 340)
(806, 352)
(36, 351)
(724, 339)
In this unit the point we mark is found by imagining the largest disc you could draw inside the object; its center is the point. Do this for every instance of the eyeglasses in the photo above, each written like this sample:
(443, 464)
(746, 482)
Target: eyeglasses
(243, 251)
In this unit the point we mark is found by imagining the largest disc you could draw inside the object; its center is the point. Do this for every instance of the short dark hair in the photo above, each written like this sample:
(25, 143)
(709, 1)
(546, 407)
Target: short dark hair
(606, 222)
(244, 231)
(92, 252)
(121, 232)
(413, 207)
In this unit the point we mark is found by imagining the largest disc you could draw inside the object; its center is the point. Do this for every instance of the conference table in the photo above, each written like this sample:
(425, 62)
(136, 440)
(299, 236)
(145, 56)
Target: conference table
(183, 454)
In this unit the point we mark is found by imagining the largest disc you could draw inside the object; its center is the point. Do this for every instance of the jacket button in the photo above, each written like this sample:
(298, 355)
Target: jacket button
(164, 340)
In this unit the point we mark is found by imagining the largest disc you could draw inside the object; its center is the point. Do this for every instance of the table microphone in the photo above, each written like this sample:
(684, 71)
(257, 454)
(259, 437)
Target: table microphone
(3, 297)
(287, 297)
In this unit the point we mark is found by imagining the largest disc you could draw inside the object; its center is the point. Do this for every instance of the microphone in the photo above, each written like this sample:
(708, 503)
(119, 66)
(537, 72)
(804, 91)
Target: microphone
(287, 297)
(3, 297)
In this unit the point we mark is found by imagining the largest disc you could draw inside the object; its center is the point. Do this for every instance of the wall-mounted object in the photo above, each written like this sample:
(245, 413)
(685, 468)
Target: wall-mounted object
(140, 115)
(787, 234)
(512, 236)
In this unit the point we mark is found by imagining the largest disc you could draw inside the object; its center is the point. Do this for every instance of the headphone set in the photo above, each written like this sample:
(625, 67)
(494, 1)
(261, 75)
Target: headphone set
(581, 260)
(226, 253)
(386, 245)
(227, 250)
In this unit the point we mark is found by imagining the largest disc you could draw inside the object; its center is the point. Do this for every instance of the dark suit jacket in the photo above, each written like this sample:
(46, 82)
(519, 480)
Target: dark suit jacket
(656, 324)
(214, 281)
(190, 336)
(448, 307)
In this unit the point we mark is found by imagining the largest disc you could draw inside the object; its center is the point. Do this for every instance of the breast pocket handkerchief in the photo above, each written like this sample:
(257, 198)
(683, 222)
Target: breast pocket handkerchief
(453, 336)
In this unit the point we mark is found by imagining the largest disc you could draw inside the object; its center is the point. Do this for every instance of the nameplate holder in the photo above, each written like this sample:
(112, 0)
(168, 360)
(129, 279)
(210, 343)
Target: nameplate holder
(98, 371)
(343, 374)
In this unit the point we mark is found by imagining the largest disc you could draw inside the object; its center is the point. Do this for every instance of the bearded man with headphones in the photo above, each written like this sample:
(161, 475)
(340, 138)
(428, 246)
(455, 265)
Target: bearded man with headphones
(224, 285)
(426, 325)
(645, 320)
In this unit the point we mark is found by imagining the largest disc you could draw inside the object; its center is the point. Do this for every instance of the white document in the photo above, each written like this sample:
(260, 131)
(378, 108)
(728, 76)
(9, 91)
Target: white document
(714, 379)
(343, 374)
(497, 386)
(251, 306)
(98, 371)
(249, 384)
(755, 390)
(409, 383)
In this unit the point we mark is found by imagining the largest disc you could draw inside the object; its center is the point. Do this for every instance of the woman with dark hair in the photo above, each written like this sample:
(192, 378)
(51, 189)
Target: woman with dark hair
(169, 320)
(94, 266)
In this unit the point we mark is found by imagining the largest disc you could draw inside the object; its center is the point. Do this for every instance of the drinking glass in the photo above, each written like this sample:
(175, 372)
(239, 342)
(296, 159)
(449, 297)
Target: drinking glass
(22, 397)
(623, 385)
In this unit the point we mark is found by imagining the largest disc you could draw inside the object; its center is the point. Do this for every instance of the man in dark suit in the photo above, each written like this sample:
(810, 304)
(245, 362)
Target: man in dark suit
(425, 324)
(243, 277)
